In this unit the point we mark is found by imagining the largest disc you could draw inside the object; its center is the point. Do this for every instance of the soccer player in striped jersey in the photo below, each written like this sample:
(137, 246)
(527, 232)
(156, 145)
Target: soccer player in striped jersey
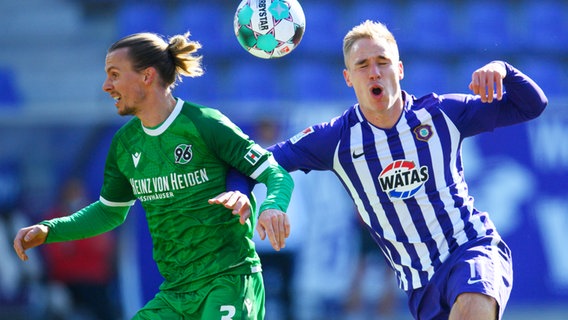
(173, 157)
(399, 158)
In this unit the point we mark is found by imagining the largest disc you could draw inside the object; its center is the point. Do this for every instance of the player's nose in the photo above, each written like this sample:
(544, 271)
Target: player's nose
(107, 85)
(374, 72)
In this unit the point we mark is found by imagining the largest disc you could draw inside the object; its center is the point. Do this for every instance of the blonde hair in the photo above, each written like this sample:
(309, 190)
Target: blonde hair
(367, 30)
(172, 59)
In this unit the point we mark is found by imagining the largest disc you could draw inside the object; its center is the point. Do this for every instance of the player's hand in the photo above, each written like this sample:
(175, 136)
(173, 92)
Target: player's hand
(28, 238)
(274, 224)
(488, 80)
(236, 201)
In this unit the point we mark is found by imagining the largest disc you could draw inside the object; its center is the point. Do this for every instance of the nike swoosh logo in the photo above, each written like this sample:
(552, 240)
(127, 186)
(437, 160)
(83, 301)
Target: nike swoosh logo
(472, 281)
(358, 155)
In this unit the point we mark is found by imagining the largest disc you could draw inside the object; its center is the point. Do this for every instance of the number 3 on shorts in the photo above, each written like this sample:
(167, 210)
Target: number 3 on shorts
(230, 310)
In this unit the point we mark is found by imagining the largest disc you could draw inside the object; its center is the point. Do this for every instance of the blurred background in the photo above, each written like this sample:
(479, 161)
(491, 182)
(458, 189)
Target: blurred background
(56, 124)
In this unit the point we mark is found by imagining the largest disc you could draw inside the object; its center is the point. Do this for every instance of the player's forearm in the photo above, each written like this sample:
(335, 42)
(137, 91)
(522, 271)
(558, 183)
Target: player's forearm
(279, 187)
(88, 222)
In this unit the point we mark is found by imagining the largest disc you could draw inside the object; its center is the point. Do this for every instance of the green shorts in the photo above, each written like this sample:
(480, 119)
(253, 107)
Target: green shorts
(228, 297)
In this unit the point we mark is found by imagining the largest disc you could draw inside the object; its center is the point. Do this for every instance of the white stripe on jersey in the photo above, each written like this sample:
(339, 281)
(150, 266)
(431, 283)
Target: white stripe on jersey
(263, 166)
(116, 204)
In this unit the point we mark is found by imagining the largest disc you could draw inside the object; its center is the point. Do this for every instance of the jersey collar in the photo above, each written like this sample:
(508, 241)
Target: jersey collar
(156, 131)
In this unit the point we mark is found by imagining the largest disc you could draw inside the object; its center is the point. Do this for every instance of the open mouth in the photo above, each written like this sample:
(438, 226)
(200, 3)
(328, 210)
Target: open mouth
(376, 91)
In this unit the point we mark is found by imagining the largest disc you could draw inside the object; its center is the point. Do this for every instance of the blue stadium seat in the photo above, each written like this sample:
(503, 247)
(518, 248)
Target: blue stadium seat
(251, 79)
(463, 69)
(547, 73)
(133, 17)
(423, 76)
(314, 80)
(543, 26)
(9, 94)
(430, 26)
(210, 24)
(486, 26)
(324, 29)
(387, 12)
(202, 90)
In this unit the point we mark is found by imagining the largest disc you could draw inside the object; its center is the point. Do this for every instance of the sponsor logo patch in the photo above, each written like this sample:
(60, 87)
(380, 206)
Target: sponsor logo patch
(300, 135)
(402, 179)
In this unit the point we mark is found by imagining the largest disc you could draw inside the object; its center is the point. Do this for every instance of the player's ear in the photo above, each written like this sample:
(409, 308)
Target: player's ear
(149, 75)
(400, 70)
(347, 78)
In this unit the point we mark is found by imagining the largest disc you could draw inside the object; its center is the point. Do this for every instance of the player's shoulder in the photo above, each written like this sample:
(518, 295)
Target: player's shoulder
(324, 131)
(339, 123)
(433, 101)
(132, 126)
(429, 100)
(199, 113)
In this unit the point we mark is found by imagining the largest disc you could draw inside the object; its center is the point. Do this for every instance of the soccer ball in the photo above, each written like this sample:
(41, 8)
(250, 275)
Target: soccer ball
(269, 28)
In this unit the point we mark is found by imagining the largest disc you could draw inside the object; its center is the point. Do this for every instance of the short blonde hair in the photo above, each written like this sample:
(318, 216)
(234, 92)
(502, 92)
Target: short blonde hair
(367, 30)
(172, 59)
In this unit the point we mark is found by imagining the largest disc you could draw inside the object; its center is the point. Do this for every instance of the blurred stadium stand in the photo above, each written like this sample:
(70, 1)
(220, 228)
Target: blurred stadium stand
(388, 12)
(52, 59)
(435, 23)
(487, 25)
(543, 26)
(321, 37)
(210, 24)
(133, 17)
(10, 96)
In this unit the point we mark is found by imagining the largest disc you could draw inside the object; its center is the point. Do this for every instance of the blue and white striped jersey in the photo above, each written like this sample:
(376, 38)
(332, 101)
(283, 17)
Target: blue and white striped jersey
(408, 181)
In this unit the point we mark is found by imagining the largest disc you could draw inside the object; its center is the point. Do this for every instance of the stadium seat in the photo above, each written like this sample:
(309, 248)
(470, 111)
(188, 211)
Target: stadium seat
(251, 79)
(547, 73)
(210, 24)
(133, 17)
(543, 26)
(9, 93)
(202, 90)
(324, 29)
(424, 76)
(463, 69)
(486, 27)
(387, 12)
(314, 80)
(430, 26)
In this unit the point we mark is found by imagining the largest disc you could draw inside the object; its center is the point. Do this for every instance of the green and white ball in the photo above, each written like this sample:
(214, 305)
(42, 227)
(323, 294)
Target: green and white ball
(269, 28)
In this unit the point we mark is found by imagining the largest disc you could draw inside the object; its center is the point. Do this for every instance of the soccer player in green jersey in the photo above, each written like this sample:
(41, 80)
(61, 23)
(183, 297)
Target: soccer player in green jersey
(173, 156)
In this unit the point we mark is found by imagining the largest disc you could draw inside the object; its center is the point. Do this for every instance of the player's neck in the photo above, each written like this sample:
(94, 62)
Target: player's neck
(385, 118)
(157, 111)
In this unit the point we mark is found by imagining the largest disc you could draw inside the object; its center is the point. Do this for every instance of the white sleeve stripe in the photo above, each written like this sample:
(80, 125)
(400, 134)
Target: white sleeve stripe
(116, 204)
(270, 161)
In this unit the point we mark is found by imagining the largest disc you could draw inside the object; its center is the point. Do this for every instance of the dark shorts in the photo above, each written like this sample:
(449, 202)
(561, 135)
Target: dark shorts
(481, 266)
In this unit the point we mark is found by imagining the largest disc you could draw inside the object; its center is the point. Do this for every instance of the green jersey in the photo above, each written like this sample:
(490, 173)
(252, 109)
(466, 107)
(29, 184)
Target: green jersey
(173, 169)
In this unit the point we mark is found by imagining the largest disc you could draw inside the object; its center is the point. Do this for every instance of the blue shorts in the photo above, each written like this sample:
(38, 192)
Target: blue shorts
(483, 266)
